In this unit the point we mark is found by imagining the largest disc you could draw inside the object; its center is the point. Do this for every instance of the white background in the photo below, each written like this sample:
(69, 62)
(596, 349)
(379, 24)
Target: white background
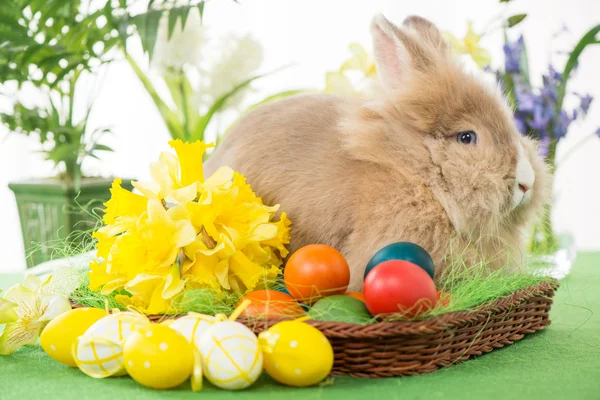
(314, 34)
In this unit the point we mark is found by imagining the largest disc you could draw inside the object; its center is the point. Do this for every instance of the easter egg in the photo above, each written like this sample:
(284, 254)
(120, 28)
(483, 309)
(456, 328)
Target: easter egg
(158, 357)
(340, 308)
(231, 357)
(282, 289)
(271, 304)
(98, 357)
(117, 327)
(58, 336)
(398, 286)
(443, 298)
(356, 295)
(296, 354)
(192, 326)
(316, 271)
(402, 251)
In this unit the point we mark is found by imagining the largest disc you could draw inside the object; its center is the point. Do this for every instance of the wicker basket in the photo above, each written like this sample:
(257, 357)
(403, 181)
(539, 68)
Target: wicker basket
(389, 349)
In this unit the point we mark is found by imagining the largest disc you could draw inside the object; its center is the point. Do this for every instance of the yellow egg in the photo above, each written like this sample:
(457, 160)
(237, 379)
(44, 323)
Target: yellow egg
(231, 357)
(296, 354)
(98, 357)
(192, 326)
(117, 327)
(58, 336)
(158, 357)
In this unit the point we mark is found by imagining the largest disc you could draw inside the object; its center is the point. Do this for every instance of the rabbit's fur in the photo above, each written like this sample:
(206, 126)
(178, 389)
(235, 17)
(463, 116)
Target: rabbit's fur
(360, 174)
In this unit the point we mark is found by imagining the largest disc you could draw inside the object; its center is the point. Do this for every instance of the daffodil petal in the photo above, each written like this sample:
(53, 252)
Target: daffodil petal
(190, 160)
(173, 283)
(338, 83)
(122, 202)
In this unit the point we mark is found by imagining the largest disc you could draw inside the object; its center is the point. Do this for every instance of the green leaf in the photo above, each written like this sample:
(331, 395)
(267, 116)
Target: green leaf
(101, 147)
(173, 18)
(173, 124)
(515, 20)
(505, 1)
(201, 10)
(147, 25)
(200, 128)
(275, 97)
(589, 38)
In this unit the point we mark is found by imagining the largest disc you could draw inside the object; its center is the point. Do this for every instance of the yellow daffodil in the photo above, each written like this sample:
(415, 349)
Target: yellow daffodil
(186, 231)
(152, 293)
(26, 309)
(122, 203)
(360, 63)
(469, 45)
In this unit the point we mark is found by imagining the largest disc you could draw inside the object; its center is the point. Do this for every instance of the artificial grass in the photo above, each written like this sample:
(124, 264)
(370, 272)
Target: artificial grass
(469, 289)
(559, 362)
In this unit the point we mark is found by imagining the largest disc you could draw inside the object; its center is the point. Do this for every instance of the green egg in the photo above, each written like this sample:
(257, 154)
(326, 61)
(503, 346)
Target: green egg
(340, 308)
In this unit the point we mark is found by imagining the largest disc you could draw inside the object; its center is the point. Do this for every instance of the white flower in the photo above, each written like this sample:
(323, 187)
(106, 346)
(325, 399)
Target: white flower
(184, 47)
(238, 59)
(27, 308)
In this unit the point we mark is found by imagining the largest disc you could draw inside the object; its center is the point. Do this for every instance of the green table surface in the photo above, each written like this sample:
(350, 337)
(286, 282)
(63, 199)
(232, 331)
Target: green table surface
(560, 362)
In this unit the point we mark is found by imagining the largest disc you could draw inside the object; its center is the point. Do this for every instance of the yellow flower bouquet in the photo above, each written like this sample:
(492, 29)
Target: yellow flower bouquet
(184, 232)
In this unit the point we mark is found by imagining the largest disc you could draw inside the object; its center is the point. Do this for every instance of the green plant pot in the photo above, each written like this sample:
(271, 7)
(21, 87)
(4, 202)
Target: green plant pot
(51, 210)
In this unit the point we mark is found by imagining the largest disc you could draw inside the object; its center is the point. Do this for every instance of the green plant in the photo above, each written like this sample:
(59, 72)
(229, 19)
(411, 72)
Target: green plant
(198, 90)
(50, 44)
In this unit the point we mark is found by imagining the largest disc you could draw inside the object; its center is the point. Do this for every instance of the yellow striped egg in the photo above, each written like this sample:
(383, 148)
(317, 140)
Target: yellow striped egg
(98, 357)
(117, 327)
(192, 326)
(231, 357)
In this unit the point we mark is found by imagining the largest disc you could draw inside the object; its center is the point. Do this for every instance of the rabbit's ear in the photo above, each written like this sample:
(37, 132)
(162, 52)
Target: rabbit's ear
(427, 31)
(398, 51)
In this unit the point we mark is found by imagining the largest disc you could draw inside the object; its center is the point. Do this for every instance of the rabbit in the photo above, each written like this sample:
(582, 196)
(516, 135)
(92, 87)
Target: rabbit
(434, 159)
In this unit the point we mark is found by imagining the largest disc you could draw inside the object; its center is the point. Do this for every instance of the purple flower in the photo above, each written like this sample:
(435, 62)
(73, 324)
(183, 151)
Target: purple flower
(554, 74)
(525, 98)
(598, 132)
(540, 119)
(562, 125)
(544, 146)
(512, 55)
(586, 101)
(521, 123)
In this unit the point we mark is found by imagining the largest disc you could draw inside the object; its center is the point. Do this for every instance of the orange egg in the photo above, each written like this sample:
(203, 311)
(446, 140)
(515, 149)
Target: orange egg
(356, 295)
(443, 298)
(271, 304)
(316, 271)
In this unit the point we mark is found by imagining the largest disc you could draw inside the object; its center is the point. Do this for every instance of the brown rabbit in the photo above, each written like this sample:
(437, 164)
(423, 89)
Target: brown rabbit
(436, 160)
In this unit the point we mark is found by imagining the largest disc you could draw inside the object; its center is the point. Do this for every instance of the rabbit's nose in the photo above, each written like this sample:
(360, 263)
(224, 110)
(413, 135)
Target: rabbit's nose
(523, 188)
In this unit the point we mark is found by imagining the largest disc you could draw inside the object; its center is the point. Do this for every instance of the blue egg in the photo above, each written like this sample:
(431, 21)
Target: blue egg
(402, 251)
(281, 288)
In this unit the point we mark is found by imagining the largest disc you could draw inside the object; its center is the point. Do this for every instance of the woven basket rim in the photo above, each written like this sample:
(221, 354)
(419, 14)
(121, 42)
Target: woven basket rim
(431, 325)
(442, 322)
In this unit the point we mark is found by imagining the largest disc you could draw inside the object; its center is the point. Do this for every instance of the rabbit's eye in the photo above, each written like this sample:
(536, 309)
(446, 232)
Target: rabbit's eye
(467, 137)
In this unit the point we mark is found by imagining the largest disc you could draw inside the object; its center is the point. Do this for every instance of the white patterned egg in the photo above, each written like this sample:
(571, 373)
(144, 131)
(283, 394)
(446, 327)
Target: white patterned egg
(117, 327)
(98, 357)
(231, 357)
(192, 326)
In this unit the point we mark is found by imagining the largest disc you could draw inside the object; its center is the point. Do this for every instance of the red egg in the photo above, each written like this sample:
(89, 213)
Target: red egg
(271, 304)
(316, 271)
(398, 286)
